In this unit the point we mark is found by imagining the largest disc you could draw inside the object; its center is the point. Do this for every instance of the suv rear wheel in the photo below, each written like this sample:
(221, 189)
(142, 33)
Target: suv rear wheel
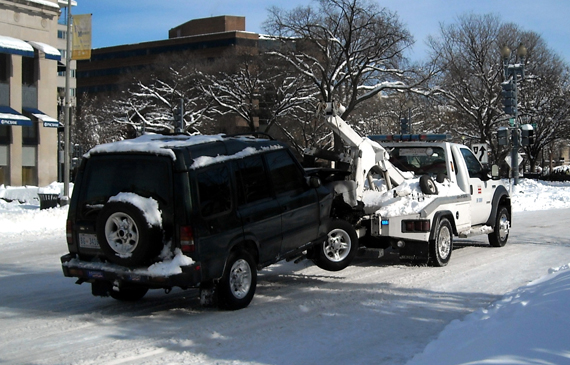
(125, 236)
(340, 247)
(237, 286)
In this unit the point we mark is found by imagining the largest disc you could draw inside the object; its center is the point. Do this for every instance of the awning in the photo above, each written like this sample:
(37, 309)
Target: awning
(15, 46)
(51, 53)
(43, 117)
(9, 116)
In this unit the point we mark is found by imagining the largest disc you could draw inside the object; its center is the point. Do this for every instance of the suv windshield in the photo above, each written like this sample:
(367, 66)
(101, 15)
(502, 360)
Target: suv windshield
(108, 175)
(419, 160)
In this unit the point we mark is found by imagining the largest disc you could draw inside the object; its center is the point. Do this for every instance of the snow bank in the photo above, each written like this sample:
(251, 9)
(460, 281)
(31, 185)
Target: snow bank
(540, 195)
(528, 326)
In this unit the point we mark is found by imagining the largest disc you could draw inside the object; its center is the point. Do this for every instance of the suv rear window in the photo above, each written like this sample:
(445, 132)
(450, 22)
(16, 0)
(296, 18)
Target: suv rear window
(108, 175)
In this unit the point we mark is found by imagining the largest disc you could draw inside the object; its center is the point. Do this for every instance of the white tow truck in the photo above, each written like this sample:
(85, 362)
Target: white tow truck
(413, 194)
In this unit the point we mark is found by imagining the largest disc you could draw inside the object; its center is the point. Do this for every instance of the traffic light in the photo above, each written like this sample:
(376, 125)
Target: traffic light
(527, 135)
(503, 136)
(509, 97)
(404, 126)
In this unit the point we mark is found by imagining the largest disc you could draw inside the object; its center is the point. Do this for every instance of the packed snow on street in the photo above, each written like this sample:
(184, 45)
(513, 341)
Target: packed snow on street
(490, 305)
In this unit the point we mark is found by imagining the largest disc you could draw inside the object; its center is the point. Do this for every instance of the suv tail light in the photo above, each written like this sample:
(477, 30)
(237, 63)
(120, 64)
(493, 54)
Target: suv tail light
(69, 232)
(420, 225)
(187, 239)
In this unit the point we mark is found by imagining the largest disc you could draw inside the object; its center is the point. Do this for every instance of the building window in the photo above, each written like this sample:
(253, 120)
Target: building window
(30, 135)
(4, 165)
(30, 74)
(4, 79)
(29, 154)
(29, 71)
(5, 139)
(29, 168)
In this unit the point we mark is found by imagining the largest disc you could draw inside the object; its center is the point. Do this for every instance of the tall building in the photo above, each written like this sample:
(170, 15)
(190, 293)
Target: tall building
(207, 38)
(28, 91)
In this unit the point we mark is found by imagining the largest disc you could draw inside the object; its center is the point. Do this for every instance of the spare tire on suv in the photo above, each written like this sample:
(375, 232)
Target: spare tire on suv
(125, 235)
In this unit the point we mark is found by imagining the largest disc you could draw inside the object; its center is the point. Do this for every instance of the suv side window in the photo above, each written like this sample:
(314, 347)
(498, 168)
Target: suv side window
(214, 191)
(251, 180)
(285, 173)
(473, 166)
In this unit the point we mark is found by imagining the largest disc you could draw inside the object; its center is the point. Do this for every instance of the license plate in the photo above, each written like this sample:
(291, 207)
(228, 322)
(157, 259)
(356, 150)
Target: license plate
(88, 241)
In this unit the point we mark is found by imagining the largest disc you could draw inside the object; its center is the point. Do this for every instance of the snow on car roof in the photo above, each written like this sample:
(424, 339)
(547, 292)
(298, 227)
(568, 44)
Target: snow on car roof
(151, 143)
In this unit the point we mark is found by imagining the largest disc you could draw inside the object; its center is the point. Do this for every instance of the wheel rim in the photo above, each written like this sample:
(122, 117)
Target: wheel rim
(503, 227)
(122, 234)
(337, 246)
(444, 242)
(240, 278)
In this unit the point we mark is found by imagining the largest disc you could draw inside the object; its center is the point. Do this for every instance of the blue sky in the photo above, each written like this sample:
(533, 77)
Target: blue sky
(117, 22)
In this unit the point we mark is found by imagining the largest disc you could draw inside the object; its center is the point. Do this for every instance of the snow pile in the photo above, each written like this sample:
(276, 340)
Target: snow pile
(540, 195)
(169, 267)
(528, 326)
(407, 198)
(148, 206)
(248, 151)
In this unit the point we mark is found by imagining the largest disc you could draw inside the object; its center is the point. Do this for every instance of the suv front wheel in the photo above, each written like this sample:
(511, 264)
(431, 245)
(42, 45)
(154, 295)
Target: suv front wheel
(339, 248)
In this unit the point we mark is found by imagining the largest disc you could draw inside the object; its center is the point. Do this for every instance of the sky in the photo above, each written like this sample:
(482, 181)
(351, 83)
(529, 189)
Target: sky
(134, 21)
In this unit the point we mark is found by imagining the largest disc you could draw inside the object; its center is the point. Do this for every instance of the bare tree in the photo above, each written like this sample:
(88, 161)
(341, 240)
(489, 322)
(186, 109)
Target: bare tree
(467, 54)
(350, 50)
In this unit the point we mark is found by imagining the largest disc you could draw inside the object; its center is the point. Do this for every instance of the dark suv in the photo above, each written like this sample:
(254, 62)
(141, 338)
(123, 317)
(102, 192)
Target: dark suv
(197, 211)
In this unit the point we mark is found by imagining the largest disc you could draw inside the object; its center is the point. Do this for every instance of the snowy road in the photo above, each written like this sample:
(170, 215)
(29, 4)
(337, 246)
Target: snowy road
(376, 311)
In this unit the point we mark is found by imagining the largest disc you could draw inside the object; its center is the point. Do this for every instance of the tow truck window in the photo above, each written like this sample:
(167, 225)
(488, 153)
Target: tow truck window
(419, 160)
(473, 166)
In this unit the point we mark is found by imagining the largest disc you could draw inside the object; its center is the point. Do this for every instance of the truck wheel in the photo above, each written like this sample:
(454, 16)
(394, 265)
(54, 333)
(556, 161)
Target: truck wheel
(442, 244)
(340, 247)
(500, 234)
(237, 286)
(129, 293)
(125, 235)
(427, 185)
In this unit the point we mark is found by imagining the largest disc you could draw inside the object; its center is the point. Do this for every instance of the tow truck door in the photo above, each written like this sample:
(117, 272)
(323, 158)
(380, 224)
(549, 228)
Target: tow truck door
(479, 188)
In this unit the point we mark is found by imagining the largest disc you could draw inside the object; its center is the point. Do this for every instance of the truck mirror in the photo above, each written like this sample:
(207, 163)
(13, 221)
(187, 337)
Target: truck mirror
(495, 172)
(314, 182)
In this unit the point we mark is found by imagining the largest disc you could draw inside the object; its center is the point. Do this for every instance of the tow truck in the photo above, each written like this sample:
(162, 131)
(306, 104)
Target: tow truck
(412, 194)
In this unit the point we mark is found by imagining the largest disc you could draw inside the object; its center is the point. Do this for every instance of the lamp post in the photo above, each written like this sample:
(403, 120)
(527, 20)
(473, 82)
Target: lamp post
(511, 72)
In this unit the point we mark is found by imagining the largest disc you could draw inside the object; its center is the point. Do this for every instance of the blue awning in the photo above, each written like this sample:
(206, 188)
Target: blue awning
(15, 46)
(43, 117)
(9, 116)
(51, 53)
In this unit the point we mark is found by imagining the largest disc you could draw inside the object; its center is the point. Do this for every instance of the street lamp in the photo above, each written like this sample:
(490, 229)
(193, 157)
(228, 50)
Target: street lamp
(511, 72)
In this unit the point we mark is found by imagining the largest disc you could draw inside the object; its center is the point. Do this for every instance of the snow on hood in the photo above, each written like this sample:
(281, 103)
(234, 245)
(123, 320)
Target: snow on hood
(148, 206)
(154, 144)
(405, 199)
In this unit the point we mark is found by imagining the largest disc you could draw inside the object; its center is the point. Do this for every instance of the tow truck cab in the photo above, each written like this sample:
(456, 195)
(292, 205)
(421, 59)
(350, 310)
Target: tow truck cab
(472, 210)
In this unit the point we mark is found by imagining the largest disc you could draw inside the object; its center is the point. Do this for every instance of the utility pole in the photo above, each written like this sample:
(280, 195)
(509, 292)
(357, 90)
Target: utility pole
(66, 139)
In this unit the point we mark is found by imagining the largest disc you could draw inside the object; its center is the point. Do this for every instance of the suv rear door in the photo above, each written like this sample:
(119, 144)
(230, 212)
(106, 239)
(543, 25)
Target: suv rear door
(299, 203)
(259, 210)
